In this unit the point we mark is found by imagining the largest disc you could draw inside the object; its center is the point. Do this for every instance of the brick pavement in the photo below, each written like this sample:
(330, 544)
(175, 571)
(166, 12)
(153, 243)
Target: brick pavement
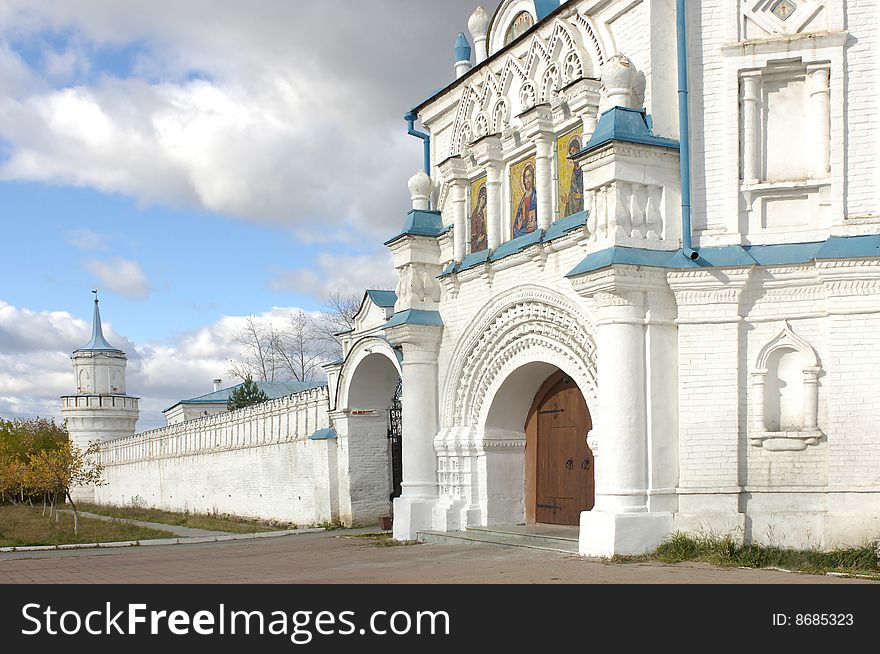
(336, 557)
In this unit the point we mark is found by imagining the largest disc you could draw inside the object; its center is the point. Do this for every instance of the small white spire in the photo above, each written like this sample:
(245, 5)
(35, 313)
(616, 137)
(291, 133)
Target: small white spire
(478, 26)
(420, 190)
(619, 77)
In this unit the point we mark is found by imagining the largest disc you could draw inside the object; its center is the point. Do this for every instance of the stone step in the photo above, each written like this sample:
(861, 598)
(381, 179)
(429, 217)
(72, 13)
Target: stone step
(502, 538)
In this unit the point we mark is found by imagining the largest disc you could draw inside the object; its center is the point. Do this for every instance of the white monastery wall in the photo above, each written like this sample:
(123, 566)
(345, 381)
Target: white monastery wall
(256, 462)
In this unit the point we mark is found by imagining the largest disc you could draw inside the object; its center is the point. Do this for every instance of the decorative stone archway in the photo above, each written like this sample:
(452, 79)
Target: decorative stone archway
(365, 392)
(519, 340)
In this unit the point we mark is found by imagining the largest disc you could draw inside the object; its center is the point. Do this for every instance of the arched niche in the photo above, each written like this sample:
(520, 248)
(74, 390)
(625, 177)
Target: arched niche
(785, 394)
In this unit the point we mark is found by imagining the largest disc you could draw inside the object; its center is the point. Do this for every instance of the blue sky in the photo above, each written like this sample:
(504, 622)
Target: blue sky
(197, 163)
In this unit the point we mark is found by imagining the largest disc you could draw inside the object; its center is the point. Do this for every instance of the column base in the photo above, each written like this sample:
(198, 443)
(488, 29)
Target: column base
(412, 515)
(627, 534)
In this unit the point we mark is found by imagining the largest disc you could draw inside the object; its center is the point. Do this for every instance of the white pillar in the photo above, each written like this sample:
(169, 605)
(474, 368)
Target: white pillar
(413, 509)
(811, 398)
(621, 522)
(454, 173)
(459, 208)
(750, 128)
(820, 100)
(494, 214)
(621, 484)
(544, 179)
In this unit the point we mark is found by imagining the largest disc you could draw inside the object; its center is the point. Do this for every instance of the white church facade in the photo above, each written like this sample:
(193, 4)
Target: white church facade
(611, 314)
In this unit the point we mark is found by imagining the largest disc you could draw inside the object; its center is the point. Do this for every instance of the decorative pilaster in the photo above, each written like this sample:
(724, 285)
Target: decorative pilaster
(750, 84)
(488, 153)
(538, 127)
(454, 172)
(820, 112)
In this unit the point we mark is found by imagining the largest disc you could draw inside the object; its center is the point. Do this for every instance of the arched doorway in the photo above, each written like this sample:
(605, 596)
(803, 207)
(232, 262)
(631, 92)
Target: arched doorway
(367, 412)
(560, 479)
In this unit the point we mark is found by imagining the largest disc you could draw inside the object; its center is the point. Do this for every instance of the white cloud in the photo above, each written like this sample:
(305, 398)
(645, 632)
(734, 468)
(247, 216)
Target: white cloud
(349, 274)
(35, 366)
(295, 118)
(87, 240)
(122, 276)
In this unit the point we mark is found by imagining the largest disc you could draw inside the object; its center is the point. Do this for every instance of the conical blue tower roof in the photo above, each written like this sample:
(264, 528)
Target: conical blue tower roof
(462, 49)
(98, 342)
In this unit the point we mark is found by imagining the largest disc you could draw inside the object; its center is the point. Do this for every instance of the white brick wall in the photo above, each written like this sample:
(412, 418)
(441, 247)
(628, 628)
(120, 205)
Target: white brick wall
(255, 462)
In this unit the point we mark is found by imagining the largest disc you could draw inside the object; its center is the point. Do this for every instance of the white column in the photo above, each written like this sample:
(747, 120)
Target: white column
(811, 398)
(757, 400)
(413, 511)
(454, 173)
(494, 214)
(621, 483)
(820, 101)
(459, 206)
(750, 128)
(622, 521)
(544, 179)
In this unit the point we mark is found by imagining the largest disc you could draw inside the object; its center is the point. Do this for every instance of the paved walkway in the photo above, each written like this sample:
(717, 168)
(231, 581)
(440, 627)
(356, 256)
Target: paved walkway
(182, 532)
(338, 557)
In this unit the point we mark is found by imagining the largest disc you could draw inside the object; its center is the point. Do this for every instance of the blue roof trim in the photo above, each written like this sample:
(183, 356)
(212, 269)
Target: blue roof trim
(557, 230)
(415, 317)
(839, 247)
(328, 434)
(545, 7)
(735, 256)
(384, 299)
(422, 223)
(629, 125)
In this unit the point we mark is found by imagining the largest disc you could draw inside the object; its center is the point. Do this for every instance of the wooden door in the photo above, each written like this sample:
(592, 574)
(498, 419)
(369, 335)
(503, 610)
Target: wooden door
(563, 480)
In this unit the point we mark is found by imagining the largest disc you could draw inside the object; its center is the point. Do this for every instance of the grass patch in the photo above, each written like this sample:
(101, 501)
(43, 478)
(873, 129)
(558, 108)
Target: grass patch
(214, 522)
(727, 552)
(21, 526)
(385, 539)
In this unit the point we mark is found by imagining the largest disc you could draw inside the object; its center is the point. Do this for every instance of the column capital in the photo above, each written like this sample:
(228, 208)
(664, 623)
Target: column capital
(420, 343)
(488, 151)
(622, 281)
(454, 170)
(538, 122)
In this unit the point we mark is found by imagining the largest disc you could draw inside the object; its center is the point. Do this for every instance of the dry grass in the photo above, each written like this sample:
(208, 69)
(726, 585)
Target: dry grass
(216, 522)
(21, 526)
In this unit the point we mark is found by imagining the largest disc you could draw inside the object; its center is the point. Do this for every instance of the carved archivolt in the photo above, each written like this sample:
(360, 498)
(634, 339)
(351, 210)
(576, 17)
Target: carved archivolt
(529, 324)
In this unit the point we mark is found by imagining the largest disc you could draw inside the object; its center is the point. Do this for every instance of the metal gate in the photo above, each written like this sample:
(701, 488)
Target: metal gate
(395, 436)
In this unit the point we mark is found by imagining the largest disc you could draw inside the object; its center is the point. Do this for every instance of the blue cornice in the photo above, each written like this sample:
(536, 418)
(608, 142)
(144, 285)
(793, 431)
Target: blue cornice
(422, 223)
(415, 317)
(735, 256)
(557, 230)
(626, 125)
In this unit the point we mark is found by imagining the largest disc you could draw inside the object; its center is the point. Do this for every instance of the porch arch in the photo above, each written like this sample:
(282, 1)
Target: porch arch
(367, 384)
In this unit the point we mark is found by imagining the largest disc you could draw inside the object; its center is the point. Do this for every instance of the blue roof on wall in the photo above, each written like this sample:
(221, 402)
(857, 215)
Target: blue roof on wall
(328, 434)
(273, 390)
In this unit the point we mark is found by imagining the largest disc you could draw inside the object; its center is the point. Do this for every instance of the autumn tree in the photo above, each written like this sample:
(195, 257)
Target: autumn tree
(19, 441)
(59, 471)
